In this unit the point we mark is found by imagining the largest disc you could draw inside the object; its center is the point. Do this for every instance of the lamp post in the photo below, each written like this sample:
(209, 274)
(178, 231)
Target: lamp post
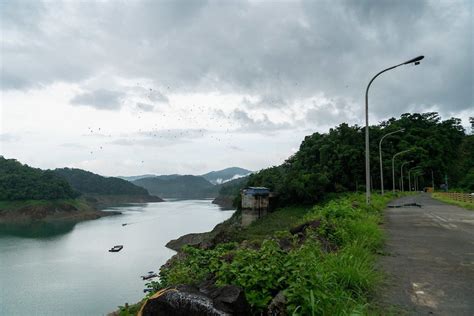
(401, 174)
(380, 156)
(393, 166)
(409, 176)
(416, 61)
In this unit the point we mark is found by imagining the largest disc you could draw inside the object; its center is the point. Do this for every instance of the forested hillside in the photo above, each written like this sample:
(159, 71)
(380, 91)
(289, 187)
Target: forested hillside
(91, 183)
(183, 187)
(21, 182)
(334, 161)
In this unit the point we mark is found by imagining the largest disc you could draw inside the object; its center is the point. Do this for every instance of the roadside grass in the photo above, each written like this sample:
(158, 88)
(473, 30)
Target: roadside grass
(469, 206)
(315, 280)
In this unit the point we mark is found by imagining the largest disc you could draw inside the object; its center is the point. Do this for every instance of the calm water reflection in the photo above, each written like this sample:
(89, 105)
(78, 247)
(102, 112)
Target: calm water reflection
(66, 269)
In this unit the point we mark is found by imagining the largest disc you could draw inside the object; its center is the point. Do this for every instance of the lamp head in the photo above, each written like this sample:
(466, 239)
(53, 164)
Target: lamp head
(415, 60)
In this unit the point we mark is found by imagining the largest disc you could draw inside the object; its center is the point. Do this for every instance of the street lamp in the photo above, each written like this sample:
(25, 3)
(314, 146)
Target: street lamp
(380, 155)
(393, 166)
(416, 61)
(401, 173)
(409, 176)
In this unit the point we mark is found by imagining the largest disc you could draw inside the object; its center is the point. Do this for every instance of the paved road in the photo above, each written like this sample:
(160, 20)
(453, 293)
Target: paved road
(429, 258)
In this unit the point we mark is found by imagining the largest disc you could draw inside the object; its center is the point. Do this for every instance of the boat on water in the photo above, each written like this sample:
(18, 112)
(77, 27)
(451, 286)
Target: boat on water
(150, 275)
(116, 248)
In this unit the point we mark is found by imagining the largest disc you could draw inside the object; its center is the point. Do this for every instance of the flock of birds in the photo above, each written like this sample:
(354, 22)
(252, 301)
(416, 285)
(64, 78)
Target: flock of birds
(219, 127)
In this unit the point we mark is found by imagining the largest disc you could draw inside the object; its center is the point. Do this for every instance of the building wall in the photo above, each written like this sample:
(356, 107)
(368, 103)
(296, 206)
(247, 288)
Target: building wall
(253, 207)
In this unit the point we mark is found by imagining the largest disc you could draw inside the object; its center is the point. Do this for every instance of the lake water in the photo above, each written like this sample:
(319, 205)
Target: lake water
(67, 269)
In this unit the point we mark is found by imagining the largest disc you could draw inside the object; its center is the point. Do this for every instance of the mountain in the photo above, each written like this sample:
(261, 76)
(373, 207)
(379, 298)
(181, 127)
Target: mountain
(22, 182)
(89, 183)
(225, 175)
(181, 187)
(133, 178)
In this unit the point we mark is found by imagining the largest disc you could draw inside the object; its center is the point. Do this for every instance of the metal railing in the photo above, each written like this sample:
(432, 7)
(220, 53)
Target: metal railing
(462, 197)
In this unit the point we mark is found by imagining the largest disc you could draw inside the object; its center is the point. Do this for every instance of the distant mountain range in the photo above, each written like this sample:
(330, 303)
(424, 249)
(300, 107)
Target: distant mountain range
(215, 177)
(225, 175)
(189, 186)
(181, 187)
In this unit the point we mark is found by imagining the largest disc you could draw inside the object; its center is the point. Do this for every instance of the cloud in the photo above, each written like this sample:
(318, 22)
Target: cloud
(251, 125)
(145, 107)
(8, 137)
(101, 99)
(280, 52)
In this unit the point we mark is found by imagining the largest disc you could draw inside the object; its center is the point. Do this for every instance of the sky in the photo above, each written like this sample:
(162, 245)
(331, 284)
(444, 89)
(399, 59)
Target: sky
(137, 87)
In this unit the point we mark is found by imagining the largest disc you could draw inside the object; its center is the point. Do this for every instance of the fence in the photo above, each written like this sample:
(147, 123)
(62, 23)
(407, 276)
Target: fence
(462, 197)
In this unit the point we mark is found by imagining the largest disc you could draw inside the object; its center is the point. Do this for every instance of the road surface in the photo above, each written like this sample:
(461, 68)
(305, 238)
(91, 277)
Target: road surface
(428, 258)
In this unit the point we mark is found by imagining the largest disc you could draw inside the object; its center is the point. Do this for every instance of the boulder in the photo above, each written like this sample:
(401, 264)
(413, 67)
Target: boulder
(205, 300)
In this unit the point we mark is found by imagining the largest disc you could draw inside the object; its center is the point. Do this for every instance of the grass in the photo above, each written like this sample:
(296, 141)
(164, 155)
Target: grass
(469, 206)
(281, 220)
(313, 279)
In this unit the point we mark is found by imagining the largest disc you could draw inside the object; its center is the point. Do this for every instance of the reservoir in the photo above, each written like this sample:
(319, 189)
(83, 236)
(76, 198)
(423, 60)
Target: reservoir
(67, 269)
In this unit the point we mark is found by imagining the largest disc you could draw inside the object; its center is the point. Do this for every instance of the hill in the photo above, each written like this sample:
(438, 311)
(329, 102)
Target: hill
(109, 188)
(180, 187)
(133, 178)
(225, 175)
(229, 193)
(30, 194)
(334, 161)
(21, 182)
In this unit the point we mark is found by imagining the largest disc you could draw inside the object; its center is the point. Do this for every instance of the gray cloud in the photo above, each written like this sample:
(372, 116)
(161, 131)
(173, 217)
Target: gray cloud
(251, 125)
(280, 51)
(101, 99)
(145, 107)
(9, 137)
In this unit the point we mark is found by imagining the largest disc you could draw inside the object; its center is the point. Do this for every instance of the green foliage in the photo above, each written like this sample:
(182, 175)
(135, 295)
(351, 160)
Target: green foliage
(333, 162)
(91, 183)
(21, 182)
(313, 281)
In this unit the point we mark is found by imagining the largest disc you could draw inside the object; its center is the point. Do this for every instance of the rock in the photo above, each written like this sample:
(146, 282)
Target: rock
(301, 228)
(277, 306)
(206, 300)
(194, 239)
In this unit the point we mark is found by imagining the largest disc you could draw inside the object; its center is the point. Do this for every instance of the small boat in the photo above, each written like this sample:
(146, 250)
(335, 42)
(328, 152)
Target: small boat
(150, 275)
(116, 248)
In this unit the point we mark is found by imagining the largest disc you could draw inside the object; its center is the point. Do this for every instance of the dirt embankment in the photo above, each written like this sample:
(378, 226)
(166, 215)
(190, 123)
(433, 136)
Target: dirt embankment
(51, 211)
(225, 202)
(102, 201)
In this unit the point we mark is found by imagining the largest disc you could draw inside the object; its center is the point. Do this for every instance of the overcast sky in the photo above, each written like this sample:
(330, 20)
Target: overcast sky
(134, 87)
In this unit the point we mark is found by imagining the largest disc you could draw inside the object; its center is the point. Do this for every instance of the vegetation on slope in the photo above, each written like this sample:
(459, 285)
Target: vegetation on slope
(91, 183)
(331, 162)
(184, 187)
(327, 268)
(21, 182)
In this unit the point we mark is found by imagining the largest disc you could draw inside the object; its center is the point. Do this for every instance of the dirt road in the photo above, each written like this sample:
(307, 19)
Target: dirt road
(429, 258)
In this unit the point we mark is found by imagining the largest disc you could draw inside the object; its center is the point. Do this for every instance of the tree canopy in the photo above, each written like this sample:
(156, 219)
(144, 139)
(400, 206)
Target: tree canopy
(91, 183)
(21, 182)
(335, 161)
